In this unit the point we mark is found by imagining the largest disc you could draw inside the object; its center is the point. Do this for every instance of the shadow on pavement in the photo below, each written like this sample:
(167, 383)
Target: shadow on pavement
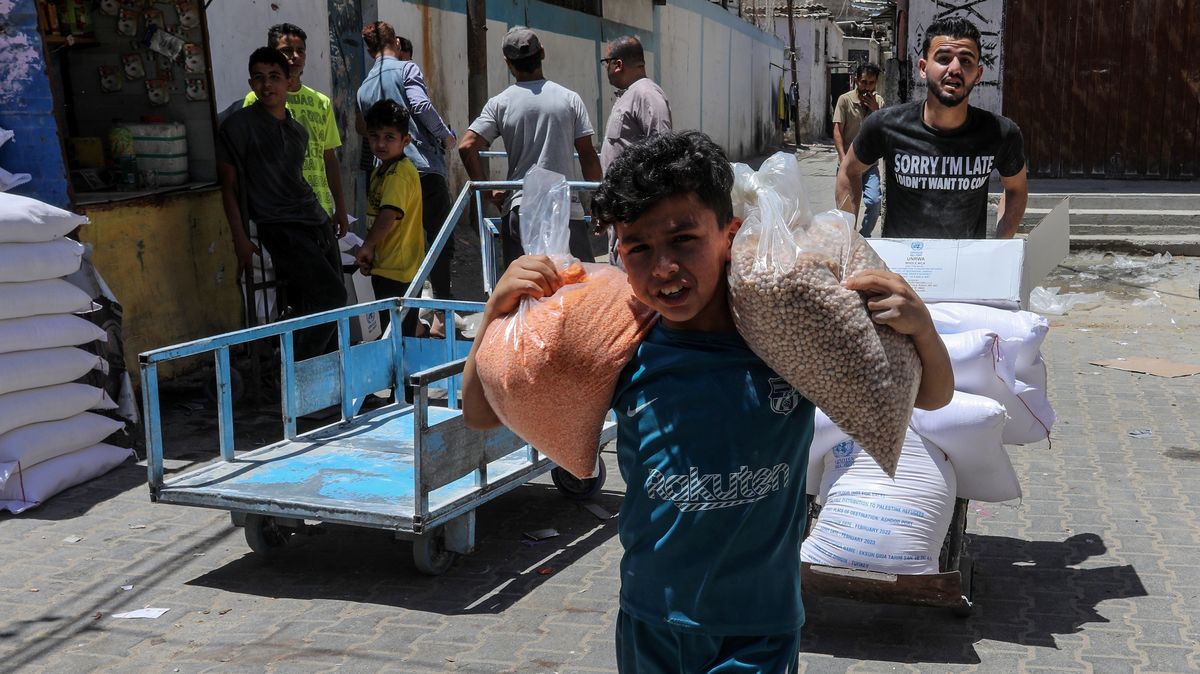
(78, 500)
(369, 566)
(1025, 593)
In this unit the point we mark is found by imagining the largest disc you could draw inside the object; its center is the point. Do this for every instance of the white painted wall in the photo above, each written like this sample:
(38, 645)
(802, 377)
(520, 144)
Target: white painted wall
(818, 41)
(238, 27)
(870, 45)
(717, 76)
(988, 94)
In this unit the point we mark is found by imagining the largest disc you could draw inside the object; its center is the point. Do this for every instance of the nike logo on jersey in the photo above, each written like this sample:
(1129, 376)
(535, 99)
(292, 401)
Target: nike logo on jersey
(634, 411)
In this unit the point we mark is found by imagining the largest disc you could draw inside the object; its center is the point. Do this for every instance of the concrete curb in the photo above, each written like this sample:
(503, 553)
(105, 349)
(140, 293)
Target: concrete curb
(1177, 244)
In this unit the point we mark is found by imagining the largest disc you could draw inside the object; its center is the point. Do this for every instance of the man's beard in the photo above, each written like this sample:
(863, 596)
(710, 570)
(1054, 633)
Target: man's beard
(946, 98)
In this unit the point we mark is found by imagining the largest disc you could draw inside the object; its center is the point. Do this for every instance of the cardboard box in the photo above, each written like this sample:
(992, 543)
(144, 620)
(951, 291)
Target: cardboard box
(996, 272)
(366, 327)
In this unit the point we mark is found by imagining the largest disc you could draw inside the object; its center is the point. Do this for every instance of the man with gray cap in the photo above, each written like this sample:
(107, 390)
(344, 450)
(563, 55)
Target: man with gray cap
(542, 124)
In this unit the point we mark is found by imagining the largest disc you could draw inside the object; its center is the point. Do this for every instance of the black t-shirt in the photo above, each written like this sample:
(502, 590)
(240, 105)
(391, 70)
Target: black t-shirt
(269, 156)
(937, 183)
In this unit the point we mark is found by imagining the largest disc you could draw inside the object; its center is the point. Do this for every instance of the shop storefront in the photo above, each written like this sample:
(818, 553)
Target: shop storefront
(128, 84)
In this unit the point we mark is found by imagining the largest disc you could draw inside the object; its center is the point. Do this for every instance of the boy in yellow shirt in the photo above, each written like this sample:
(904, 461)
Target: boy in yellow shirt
(395, 246)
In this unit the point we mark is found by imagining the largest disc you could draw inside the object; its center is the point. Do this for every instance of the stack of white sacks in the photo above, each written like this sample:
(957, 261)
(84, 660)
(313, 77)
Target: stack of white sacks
(869, 521)
(49, 440)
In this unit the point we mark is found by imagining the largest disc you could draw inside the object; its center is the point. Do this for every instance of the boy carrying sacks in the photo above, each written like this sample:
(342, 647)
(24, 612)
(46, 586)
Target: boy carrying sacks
(712, 444)
(395, 245)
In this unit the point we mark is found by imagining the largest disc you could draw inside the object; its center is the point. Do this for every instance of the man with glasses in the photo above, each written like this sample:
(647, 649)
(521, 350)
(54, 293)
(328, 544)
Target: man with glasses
(640, 111)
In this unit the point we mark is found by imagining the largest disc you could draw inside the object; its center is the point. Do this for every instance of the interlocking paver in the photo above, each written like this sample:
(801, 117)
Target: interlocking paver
(1097, 569)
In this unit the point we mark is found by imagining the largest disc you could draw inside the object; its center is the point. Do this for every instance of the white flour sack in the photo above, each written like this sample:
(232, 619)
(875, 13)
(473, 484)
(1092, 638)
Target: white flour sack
(983, 367)
(45, 367)
(35, 443)
(25, 220)
(1022, 332)
(970, 430)
(873, 522)
(32, 487)
(38, 261)
(47, 332)
(48, 403)
(789, 305)
(826, 435)
(37, 298)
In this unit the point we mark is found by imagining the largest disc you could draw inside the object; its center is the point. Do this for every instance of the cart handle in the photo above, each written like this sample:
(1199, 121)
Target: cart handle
(443, 371)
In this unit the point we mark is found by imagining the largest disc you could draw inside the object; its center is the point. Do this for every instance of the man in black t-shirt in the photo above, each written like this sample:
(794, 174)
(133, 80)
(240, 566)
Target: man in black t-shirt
(940, 151)
(260, 157)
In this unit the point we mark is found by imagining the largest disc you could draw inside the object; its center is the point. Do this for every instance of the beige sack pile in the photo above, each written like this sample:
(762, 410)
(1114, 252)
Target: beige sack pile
(550, 368)
(790, 306)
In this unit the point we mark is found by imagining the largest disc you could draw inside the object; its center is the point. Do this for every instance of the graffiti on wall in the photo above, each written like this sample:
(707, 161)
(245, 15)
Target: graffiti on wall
(988, 17)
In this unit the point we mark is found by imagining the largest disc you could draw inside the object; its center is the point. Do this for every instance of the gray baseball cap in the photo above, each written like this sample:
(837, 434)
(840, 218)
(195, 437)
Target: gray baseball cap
(520, 42)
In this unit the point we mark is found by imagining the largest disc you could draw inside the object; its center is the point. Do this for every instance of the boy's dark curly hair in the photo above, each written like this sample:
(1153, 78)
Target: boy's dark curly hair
(387, 113)
(663, 166)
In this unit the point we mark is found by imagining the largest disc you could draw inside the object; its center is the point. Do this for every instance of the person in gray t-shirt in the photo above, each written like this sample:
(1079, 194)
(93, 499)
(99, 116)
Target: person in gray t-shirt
(542, 124)
(640, 111)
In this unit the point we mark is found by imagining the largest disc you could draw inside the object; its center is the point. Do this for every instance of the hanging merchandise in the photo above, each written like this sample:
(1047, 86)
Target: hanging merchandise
(135, 69)
(154, 20)
(189, 16)
(110, 7)
(157, 92)
(197, 89)
(127, 22)
(163, 42)
(193, 58)
(110, 79)
(77, 18)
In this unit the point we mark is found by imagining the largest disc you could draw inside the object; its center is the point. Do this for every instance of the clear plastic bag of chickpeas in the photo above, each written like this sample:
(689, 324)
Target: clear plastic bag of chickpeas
(785, 284)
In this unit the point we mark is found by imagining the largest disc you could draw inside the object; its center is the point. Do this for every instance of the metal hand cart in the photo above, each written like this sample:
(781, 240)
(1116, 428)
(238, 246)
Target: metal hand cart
(411, 468)
(951, 587)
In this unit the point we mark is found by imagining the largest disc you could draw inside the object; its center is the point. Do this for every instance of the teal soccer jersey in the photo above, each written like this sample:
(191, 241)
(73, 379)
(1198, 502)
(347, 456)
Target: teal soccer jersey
(713, 447)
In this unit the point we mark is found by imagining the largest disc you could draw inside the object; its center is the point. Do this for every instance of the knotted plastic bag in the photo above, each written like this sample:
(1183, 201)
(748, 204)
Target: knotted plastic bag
(790, 307)
(549, 369)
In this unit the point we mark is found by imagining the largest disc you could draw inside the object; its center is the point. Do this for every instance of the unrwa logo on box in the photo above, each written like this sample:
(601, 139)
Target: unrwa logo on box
(917, 246)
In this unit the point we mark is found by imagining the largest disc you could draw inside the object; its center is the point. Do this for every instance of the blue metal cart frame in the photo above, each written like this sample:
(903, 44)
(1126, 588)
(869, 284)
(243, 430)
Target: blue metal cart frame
(413, 469)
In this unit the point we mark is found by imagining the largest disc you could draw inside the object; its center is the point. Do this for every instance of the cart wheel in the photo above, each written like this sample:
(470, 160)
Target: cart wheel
(430, 554)
(575, 488)
(265, 536)
(968, 590)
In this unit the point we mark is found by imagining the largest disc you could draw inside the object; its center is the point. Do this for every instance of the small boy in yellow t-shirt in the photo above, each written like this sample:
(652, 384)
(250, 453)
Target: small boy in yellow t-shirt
(395, 244)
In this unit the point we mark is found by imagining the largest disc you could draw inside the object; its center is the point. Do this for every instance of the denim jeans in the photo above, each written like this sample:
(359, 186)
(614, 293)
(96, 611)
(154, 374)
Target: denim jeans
(871, 198)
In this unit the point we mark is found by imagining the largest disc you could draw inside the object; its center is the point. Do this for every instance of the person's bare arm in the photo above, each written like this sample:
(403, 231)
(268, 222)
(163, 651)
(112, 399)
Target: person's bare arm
(243, 247)
(468, 151)
(333, 175)
(848, 192)
(387, 218)
(893, 302)
(838, 144)
(589, 161)
(1011, 209)
(360, 123)
(529, 275)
